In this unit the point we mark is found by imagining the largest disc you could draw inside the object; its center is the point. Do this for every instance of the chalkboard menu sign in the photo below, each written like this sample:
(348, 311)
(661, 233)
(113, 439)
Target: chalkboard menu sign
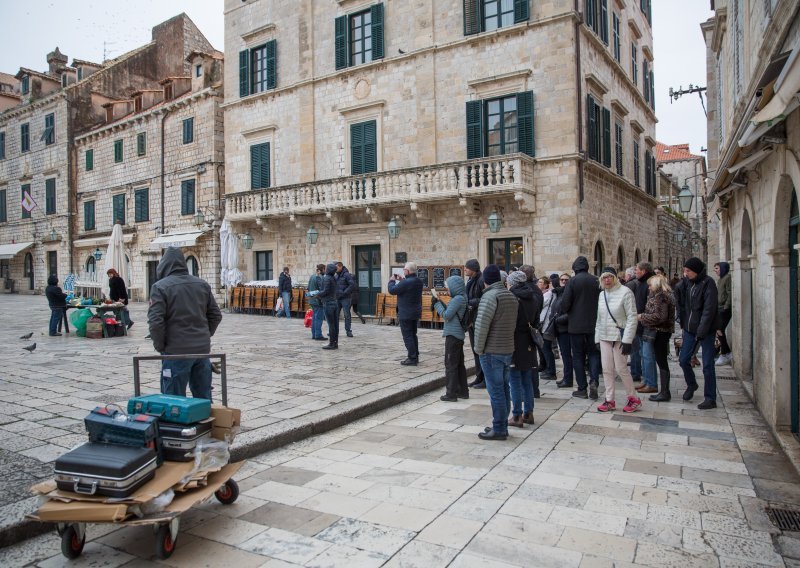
(423, 273)
(455, 271)
(439, 276)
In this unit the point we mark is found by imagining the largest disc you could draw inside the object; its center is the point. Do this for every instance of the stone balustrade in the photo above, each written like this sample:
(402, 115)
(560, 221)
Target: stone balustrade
(508, 174)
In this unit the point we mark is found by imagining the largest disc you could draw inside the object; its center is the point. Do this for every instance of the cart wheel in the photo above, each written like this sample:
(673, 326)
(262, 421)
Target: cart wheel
(228, 493)
(165, 545)
(71, 543)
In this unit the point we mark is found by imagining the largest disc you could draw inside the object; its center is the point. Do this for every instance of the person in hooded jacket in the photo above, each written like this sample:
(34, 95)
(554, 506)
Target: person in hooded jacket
(723, 270)
(472, 270)
(562, 333)
(696, 311)
(182, 317)
(580, 303)
(57, 300)
(317, 309)
(524, 359)
(327, 295)
(344, 295)
(454, 315)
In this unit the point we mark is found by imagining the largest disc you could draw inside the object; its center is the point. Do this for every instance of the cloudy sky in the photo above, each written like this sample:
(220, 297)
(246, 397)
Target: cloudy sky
(94, 30)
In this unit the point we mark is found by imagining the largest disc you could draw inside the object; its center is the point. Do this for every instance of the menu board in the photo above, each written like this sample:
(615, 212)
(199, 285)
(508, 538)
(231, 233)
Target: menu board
(439, 276)
(423, 273)
(455, 271)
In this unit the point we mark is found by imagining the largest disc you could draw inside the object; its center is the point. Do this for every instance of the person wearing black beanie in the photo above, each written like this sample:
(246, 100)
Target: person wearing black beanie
(696, 311)
(472, 270)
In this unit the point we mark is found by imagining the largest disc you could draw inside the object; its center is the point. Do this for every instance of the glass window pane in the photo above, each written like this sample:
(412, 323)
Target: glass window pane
(509, 103)
(490, 9)
(494, 107)
(507, 5)
(515, 249)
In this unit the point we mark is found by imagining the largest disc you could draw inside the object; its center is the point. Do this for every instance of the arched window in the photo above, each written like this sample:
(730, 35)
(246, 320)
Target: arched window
(620, 259)
(747, 236)
(192, 265)
(91, 265)
(598, 258)
(637, 257)
(650, 256)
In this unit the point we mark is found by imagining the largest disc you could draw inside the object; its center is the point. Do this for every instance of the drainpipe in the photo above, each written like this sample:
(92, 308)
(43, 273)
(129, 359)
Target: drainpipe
(72, 186)
(579, 101)
(163, 146)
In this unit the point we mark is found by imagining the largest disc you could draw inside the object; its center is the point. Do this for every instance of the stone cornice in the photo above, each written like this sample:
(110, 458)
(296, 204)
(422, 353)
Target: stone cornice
(32, 106)
(720, 26)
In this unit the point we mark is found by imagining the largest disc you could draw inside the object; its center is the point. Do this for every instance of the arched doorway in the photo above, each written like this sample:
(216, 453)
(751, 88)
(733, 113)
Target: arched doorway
(28, 270)
(637, 256)
(193, 265)
(620, 259)
(598, 258)
(650, 256)
(748, 336)
(794, 309)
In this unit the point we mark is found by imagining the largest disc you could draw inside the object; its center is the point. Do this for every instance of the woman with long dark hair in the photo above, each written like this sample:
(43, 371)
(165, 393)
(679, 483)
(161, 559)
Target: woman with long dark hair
(119, 293)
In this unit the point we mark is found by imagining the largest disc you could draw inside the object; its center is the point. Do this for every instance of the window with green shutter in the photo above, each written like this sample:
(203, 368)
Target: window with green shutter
(487, 15)
(2, 145)
(636, 164)
(117, 151)
(26, 84)
(500, 126)
(89, 160)
(646, 81)
(596, 18)
(187, 197)
(188, 130)
(141, 205)
(141, 144)
(25, 190)
(3, 206)
(598, 120)
(88, 215)
(616, 37)
(618, 147)
(258, 68)
(634, 65)
(606, 137)
(648, 189)
(24, 137)
(49, 134)
(358, 38)
(363, 148)
(259, 166)
(50, 196)
(118, 209)
(652, 89)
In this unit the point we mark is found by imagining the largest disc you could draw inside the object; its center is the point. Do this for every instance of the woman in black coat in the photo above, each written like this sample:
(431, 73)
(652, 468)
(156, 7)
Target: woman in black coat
(562, 333)
(524, 376)
(119, 293)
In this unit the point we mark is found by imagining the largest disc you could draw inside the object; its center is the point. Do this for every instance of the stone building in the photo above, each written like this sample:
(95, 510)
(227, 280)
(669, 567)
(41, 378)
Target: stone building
(753, 55)
(344, 117)
(40, 115)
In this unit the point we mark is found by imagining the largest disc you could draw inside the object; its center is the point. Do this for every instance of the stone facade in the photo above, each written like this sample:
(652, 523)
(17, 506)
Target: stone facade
(756, 176)
(73, 95)
(555, 205)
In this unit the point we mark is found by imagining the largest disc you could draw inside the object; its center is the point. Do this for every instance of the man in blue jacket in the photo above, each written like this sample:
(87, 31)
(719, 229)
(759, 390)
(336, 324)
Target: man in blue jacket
(408, 289)
(345, 286)
(327, 295)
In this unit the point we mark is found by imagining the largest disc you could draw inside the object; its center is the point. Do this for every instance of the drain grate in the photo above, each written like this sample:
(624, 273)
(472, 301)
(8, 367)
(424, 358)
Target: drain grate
(784, 519)
(724, 378)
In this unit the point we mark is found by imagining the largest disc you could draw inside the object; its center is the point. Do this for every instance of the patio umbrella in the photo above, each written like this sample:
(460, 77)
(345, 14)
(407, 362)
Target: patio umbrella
(230, 275)
(115, 258)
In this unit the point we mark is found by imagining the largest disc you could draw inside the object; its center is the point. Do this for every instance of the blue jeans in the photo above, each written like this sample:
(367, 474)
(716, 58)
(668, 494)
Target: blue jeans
(287, 304)
(332, 317)
(496, 371)
(344, 305)
(521, 391)
(316, 321)
(55, 318)
(176, 374)
(648, 363)
(636, 358)
(709, 374)
(565, 347)
(582, 347)
(549, 357)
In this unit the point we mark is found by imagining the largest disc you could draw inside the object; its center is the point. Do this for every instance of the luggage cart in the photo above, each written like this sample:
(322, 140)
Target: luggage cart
(167, 524)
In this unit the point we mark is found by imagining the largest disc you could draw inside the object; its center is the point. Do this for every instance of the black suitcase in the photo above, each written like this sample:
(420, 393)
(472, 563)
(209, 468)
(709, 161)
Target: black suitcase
(105, 469)
(178, 441)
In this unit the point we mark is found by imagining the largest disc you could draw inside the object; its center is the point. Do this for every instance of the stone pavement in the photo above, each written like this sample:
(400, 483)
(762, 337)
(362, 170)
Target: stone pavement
(287, 387)
(412, 485)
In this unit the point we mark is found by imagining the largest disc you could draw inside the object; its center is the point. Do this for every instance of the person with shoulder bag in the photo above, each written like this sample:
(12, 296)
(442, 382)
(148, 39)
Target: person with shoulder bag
(658, 320)
(314, 287)
(524, 375)
(548, 329)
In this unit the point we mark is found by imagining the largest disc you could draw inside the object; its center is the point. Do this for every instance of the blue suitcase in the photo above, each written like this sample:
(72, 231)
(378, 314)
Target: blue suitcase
(171, 408)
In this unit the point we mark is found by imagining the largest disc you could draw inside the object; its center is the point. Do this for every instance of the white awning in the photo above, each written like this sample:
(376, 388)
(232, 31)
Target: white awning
(13, 249)
(99, 241)
(187, 239)
(787, 86)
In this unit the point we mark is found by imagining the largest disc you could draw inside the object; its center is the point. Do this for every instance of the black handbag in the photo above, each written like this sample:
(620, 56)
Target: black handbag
(649, 334)
(536, 336)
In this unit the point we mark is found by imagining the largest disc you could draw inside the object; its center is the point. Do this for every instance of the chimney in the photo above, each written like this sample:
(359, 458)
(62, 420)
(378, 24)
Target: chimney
(56, 60)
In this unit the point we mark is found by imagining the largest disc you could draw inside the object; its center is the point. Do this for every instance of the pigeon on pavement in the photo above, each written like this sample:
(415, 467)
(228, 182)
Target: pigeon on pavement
(30, 348)
(27, 336)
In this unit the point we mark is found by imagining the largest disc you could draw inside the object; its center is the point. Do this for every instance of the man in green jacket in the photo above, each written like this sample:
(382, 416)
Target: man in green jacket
(494, 344)
(723, 270)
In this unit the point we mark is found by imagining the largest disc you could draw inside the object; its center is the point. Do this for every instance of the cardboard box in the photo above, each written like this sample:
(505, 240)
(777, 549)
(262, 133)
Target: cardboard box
(225, 434)
(226, 417)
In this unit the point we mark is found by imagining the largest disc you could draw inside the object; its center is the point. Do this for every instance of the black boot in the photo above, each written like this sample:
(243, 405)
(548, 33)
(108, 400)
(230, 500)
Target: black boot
(663, 395)
(331, 346)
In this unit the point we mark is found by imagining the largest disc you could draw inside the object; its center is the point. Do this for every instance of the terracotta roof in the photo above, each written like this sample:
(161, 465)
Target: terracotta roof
(677, 153)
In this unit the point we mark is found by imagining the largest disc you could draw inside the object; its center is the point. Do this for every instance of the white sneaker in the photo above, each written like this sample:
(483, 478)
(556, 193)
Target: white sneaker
(723, 360)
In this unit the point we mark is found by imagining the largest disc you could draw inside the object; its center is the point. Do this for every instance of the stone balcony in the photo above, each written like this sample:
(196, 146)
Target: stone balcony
(510, 174)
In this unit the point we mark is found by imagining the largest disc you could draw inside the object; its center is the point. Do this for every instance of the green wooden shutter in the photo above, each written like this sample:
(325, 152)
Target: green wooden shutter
(141, 144)
(591, 128)
(604, 21)
(244, 73)
(589, 14)
(2, 145)
(472, 16)
(527, 143)
(474, 129)
(187, 197)
(652, 90)
(340, 45)
(647, 176)
(119, 209)
(376, 14)
(265, 181)
(272, 64)
(50, 196)
(255, 167)
(521, 11)
(88, 215)
(356, 149)
(89, 160)
(3, 208)
(370, 147)
(646, 80)
(653, 173)
(606, 137)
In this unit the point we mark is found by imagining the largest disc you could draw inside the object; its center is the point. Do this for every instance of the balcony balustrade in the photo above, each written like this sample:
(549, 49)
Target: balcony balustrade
(508, 174)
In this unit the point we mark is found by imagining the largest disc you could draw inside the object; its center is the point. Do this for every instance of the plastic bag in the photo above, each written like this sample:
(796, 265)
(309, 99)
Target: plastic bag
(154, 505)
(309, 317)
(209, 455)
(78, 318)
(279, 305)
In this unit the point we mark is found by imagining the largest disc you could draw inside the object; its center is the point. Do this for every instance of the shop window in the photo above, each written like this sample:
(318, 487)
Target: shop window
(263, 264)
(506, 253)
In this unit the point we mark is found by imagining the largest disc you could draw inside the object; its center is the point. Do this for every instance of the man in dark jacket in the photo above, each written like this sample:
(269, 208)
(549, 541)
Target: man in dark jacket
(408, 290)
(183, 315)
(317, 309)
(579, 301)
(58, 304)
(696, 311)
(285, 290)
(562, 334)
(345, 286)
(327, 295)
(472, 269)
(644, 271)
(119, 293)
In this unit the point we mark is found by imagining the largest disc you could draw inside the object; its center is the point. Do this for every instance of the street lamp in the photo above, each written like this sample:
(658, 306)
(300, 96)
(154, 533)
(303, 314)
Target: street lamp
(199, 217)
(247, 241)
(679, 237)
(312, 235)
(394, 228)
(495, 222)
(685, 198)
(97, 254)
